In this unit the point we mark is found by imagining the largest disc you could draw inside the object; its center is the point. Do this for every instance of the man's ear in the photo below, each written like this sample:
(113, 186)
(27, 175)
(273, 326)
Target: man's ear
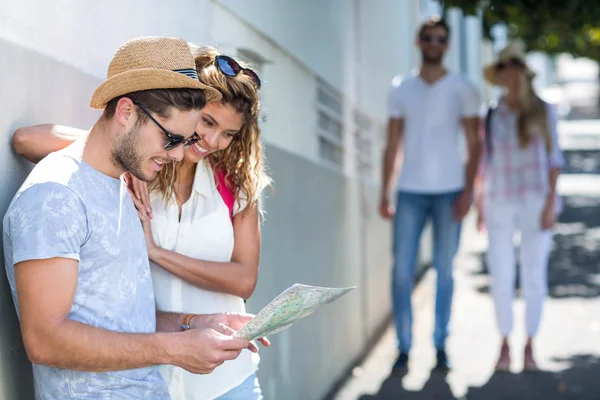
(125, 113)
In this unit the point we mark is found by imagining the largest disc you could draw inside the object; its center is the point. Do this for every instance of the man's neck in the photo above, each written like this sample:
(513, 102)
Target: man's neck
(97, 150)
(431, 73)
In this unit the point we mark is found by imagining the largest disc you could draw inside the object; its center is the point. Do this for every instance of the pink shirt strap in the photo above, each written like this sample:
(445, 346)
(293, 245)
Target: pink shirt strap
(226, 193)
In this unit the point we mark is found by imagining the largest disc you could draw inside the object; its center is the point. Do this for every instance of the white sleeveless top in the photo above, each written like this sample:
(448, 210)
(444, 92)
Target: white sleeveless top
(205, 232)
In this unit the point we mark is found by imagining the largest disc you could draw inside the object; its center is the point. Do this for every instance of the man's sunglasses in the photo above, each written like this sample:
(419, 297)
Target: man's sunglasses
(441, 40)
(228, 66)
(172, 139)
(512, 63)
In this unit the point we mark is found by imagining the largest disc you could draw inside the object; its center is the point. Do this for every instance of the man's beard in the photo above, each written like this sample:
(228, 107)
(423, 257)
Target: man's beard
(124, 154)
(432, 60)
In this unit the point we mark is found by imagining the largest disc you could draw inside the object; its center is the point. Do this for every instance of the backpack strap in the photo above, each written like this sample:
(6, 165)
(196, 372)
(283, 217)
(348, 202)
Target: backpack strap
(488, 130)
(225, 192)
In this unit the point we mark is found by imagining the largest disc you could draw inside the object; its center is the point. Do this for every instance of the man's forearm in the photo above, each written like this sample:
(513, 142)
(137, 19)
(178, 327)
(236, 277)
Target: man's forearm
(474, 154)
(76, 346)
(386, 173)
(391, 154)
(391, 161)
(168, 321)
(471, 171)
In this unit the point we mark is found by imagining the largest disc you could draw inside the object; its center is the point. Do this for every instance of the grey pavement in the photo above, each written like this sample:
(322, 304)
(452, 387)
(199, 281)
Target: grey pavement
(568, 344)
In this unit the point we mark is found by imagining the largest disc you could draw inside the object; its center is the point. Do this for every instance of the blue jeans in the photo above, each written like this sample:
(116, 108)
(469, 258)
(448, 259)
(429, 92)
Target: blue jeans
(247, 390)
(412, 211)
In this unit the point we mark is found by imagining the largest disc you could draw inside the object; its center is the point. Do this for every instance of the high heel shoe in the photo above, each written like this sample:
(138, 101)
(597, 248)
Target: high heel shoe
(503, 364)
(529, 364)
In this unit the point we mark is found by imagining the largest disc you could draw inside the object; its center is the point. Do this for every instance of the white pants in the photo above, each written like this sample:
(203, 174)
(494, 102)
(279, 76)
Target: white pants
(502, 221)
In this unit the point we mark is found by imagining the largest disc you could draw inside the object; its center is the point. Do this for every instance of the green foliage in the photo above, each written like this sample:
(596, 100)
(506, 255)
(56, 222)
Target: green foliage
(552, 26)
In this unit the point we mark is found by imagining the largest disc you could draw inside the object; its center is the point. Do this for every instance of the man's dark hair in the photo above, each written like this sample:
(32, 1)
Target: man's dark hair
(159, 101)
(433, 22)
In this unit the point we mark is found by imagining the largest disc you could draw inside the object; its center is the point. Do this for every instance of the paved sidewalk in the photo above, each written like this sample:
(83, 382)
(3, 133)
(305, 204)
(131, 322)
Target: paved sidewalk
(567, 348)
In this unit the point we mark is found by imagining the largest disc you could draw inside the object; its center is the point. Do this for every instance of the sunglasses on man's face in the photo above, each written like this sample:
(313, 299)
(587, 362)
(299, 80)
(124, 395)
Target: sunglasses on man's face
(228, 66)
(173, 140)
(430, 39)
(511, 63)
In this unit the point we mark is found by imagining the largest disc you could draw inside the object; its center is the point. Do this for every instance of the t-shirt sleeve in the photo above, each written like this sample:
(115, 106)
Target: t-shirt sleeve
(471, 101)
(47, 220)
(394, 101)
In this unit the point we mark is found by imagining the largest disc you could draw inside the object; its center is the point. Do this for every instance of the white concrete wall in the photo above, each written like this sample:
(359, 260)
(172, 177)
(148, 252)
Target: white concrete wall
(291, 124)
(387, 48)
(453, 57)
(473, 48)
(314, 31)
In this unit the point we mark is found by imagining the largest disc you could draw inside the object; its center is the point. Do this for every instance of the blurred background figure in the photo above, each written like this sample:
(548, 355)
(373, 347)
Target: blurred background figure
(517, 193)
(426, 111)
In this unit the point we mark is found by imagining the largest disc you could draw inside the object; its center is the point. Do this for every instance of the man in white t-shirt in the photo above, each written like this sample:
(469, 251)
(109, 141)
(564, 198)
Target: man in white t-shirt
(426, 113)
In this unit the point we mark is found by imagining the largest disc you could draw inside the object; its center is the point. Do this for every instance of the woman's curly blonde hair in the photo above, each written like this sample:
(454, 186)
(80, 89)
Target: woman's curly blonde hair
(242, 161)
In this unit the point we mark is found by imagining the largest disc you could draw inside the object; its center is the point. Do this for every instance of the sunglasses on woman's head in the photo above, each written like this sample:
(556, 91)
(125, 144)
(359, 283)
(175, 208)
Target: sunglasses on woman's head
(512, 63)
(228, 66)
(173, 140)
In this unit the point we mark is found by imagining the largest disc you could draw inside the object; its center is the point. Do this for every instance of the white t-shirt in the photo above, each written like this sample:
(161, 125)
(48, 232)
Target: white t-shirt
(432, 114)
(205, 232)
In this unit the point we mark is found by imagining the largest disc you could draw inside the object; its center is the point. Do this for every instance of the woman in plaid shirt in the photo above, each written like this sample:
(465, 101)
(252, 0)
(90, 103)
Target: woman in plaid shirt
(517, 192)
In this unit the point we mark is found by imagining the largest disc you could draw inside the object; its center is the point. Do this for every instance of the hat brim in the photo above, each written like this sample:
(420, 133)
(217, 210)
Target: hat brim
(147, 79)
(490, 74)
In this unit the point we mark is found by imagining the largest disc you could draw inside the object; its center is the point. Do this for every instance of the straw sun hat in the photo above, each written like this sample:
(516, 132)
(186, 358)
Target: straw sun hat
(512, 51)
(150, 63)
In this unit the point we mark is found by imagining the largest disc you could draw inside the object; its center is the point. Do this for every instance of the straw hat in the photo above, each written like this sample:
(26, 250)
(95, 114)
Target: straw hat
(150, 63)
(512, 50)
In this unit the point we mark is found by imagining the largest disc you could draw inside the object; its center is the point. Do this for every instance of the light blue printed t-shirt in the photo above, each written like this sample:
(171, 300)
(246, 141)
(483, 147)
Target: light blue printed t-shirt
(67, 209)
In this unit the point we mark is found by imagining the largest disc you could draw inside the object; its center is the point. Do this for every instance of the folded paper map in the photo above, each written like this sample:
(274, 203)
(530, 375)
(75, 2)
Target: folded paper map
(296, 302)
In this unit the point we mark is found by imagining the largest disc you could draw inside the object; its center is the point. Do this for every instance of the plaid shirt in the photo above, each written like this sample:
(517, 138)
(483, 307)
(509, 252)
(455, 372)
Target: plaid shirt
(510, 172)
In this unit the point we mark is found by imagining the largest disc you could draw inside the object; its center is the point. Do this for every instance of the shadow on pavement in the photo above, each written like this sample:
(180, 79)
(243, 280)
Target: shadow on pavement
(575, 258)
(578, 380)
(436, 387)
(582, 161)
